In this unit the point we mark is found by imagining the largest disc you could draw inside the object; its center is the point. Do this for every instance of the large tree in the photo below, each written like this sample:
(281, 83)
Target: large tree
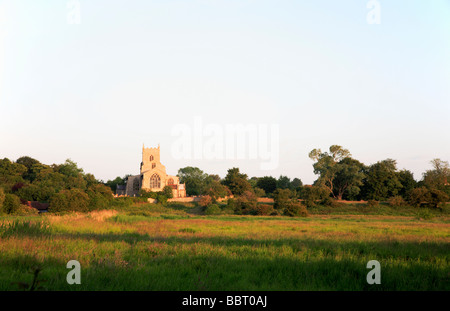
(438, 177)
(267, 183)
(237, 182)
(194, 180)
(382, 180)
(338, 172)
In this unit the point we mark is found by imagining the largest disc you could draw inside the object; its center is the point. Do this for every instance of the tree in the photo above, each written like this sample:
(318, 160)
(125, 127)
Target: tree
(338, 172)
(267, 183)
(296, 183)
(438, 177)
(194, 180)
(11, 203)
(74, 200)
(28, 162)
(283, 182)
(167, 192)
(282, 197)
(407, 181)
(69, 168)
(214, 188)
(381, 180)
(11, 174)
(236, 181)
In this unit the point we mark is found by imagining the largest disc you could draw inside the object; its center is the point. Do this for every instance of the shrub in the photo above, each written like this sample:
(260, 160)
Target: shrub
(212, 209)
(295, 209)
(73, 200)
(11, 203)
(418, 196)
(372, 203)
(246, 203)
(205, 201)
(259, 192)
(161, 198)
(25, 210)
(329, 201)
(264, 209)
(282, 198)
(397, 201)
(424, 213)
(167, 192)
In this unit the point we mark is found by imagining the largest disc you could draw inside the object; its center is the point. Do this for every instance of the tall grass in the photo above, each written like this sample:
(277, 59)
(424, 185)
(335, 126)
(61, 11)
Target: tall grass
(159, 248)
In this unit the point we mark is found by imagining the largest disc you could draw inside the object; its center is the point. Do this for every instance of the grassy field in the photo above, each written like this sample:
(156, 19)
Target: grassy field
(151, 247)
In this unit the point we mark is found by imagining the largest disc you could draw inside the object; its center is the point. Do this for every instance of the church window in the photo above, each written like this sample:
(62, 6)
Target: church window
(170, 182)
(153, 165)
(151, 158)
(155, 181)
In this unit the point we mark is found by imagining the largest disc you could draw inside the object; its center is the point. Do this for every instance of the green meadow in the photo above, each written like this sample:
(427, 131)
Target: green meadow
(174, 247)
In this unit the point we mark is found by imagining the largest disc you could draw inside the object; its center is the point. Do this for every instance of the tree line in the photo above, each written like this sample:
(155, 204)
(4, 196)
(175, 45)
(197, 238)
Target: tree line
(339, 177)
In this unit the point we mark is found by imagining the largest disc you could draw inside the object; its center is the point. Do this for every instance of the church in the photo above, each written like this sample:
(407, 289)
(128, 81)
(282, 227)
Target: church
(153, 177)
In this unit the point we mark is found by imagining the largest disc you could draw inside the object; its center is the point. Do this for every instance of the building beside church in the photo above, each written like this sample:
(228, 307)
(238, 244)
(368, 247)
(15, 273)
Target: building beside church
(152, 177)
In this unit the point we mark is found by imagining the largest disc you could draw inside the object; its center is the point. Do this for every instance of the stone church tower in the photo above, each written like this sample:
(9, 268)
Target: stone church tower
(153, 176)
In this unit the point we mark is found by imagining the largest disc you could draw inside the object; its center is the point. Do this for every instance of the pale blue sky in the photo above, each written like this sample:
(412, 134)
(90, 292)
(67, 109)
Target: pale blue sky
(91, 91)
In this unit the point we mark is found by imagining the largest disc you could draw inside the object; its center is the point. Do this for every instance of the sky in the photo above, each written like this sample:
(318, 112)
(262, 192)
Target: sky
(95, 80)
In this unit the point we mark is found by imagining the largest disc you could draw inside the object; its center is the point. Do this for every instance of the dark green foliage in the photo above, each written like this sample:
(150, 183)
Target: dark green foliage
(100, 196)
(259, 192)
(338, 172)
(246, 204)
(214, 188)
(11, 204)
(313, 195)
(212, 209)
(407, 181)
(267, 183)
(283, 182)
(194, 180)
(71, 200)
(381, 180)
(10, 174)
(265, 210)
(282, 197)
(167, 192)
(237, 182)
(295, 209)
(115, 182)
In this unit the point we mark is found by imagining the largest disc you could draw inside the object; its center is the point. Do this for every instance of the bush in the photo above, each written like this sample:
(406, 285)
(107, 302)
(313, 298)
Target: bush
(25, 210)
(205, 201)
(282, 198)
(212, 209)
(424, 214)
(167, 192)
(397, 201)
(73, 200)
(372, 203)
(11, 203)
(259, 192)
(329, 201)
(264, 210)
(246, 203)
(313, 194)
(295, 209)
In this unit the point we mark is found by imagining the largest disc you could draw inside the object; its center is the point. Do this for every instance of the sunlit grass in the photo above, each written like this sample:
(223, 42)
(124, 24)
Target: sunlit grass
(151, 247)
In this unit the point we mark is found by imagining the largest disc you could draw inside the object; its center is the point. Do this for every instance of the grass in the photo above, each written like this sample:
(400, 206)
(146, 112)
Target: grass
(151, 247)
